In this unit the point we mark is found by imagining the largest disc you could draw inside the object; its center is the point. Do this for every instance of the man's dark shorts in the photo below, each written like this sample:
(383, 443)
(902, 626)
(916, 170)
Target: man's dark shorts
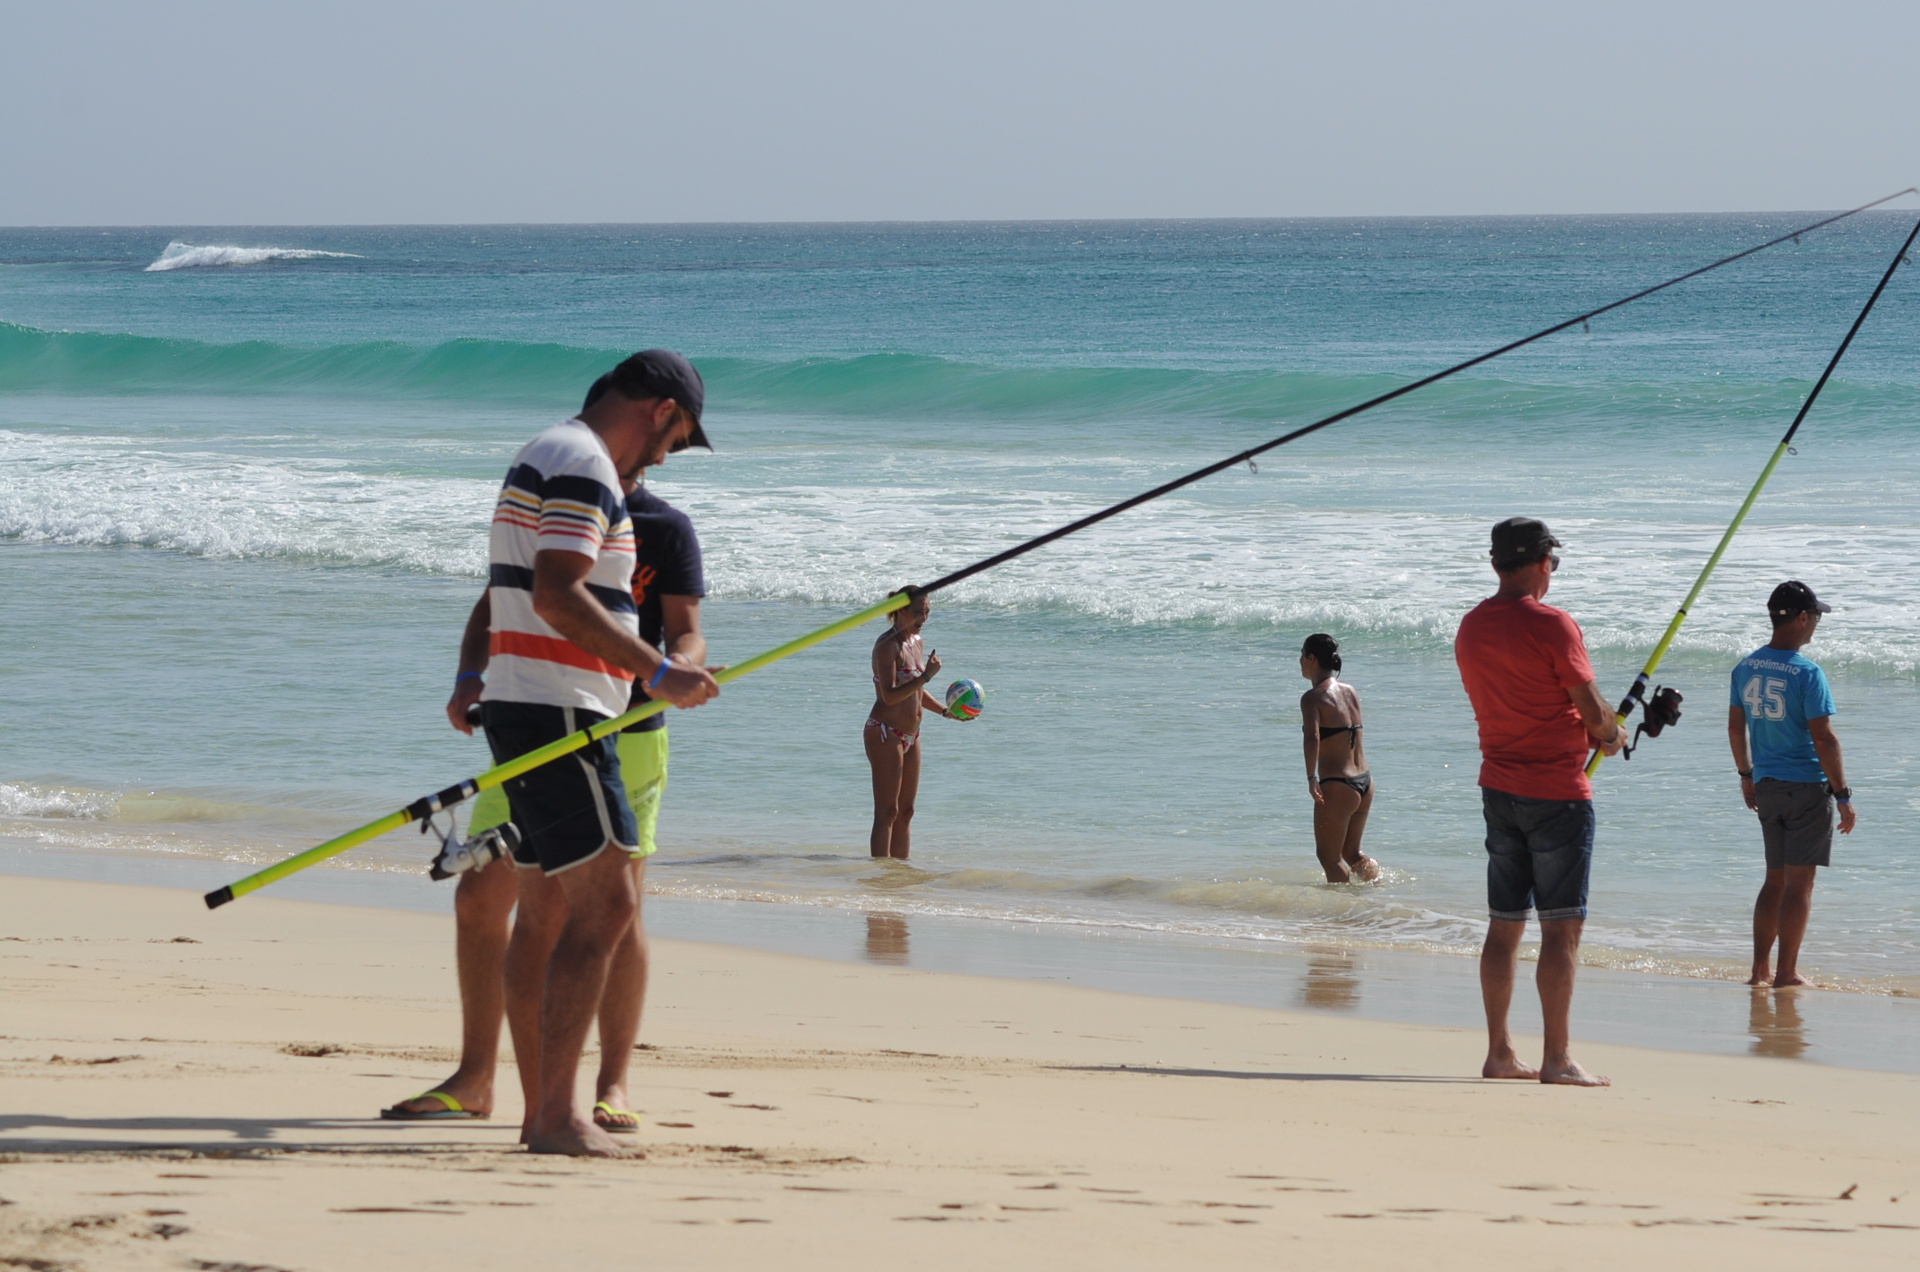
(1539, 853)
(1796, 821)
(569, 809)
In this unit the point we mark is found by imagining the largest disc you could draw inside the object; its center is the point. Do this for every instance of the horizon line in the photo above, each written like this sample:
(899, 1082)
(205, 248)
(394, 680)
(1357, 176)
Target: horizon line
(901, 221)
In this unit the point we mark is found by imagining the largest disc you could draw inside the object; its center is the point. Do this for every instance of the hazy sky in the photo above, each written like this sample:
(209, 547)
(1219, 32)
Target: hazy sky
(591, 110)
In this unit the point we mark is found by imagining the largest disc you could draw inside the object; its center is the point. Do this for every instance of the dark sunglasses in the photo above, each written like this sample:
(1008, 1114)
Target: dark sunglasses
(1553, 563)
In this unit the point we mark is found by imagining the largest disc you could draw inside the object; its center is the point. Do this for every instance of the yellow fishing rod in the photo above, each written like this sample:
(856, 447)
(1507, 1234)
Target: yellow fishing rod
(427, 805)
(1663, 708)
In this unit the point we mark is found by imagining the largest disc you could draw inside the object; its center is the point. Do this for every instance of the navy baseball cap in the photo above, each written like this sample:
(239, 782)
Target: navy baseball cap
(662, 373)
(1519, 541)
(1794, 598)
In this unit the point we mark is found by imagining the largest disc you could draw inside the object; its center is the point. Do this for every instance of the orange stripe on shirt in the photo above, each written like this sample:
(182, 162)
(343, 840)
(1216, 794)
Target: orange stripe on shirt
(551, 649)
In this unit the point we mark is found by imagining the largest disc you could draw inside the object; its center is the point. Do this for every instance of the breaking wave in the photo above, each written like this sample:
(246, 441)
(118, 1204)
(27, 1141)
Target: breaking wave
(893, 385)
(180, 255)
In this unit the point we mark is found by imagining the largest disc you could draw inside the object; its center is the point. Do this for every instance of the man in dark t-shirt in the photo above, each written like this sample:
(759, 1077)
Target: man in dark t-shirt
(1524, 665)
(667, 570)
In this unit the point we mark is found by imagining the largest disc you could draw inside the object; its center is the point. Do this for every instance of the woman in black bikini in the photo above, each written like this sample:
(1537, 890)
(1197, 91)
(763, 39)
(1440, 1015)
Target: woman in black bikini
(1337, 775)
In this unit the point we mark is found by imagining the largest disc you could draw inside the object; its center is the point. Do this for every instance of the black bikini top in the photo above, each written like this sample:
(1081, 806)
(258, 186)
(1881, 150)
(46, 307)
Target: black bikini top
(1327, 731)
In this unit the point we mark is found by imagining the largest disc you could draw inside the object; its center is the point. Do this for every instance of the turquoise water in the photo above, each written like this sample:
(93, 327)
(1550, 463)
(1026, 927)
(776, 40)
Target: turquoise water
(243, 503)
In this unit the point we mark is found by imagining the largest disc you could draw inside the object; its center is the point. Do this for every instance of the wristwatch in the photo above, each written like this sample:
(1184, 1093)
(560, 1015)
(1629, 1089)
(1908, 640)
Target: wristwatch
(1844, 794)
(1744, 773)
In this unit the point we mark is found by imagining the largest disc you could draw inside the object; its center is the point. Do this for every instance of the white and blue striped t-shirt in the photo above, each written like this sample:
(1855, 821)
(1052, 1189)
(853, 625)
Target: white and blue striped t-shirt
(561, 493)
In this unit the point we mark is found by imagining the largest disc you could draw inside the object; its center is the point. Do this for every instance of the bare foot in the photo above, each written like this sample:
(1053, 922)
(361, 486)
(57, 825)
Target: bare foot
(1569, 1073)
(1792, 980)
(1507, 1065)
(1762, 975)
(1366, 869)
(576, 1139)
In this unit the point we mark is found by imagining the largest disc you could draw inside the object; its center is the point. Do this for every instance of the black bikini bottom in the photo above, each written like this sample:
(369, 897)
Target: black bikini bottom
(1361, 784)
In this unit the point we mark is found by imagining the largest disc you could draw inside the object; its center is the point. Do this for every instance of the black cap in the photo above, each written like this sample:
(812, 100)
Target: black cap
(662, 373)
(1794, 598)
(1519, 541)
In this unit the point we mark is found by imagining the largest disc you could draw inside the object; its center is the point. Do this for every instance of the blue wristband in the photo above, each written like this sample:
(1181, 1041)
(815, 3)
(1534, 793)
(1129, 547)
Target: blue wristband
(659, 675)
(465, 676)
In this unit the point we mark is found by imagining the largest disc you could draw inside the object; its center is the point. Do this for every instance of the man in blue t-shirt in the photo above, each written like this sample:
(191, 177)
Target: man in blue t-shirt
(1780, 725)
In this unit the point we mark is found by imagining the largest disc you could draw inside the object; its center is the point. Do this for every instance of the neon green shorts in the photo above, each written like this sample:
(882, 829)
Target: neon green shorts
(643, 767)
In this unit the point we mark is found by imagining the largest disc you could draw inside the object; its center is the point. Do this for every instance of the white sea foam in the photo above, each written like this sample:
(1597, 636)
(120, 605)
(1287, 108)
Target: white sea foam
(21, 800)
(1399, 572)
(1297, 559)
(74, 803)
(180, 255)
(110, 492)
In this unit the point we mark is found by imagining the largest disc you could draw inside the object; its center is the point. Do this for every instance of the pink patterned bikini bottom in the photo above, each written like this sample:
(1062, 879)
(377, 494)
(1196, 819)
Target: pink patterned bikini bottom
(892, 736)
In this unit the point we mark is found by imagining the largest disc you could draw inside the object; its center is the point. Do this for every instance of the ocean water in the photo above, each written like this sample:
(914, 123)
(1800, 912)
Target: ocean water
(245, 478)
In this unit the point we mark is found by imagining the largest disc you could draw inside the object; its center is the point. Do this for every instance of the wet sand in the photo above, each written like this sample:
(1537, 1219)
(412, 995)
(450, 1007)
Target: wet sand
(180, 1088)
(1636, 1008)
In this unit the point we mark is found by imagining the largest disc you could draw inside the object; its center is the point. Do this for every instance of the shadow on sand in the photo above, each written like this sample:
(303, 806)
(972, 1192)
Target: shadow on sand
(1247, 1076)
(237, 1136)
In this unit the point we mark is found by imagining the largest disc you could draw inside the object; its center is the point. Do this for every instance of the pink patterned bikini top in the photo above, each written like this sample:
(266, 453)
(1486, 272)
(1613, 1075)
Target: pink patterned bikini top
(907, 669)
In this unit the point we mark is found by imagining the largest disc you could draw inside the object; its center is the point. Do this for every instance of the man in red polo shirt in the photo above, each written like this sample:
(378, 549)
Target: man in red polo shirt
(1525, 667)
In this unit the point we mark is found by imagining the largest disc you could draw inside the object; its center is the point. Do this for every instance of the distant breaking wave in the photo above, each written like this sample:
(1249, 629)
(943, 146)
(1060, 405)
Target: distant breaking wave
(186, 256)
(881, 385)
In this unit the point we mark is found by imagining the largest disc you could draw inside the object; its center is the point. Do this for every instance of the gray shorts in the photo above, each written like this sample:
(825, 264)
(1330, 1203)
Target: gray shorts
(1796, 821)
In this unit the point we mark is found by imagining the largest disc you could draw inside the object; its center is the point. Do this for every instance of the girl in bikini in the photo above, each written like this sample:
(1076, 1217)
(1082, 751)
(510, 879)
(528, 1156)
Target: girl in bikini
(1337, 775)
(901, 673)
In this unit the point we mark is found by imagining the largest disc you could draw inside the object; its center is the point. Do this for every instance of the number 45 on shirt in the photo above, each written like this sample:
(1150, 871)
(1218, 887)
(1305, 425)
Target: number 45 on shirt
(1766, 698)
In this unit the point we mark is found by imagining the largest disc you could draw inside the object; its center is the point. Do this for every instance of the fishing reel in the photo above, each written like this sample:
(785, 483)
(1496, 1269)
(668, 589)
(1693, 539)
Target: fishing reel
(1662, 710)
(457, 856)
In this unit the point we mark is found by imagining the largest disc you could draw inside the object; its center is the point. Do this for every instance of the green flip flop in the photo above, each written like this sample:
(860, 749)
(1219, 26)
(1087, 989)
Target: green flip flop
(616, 1121)
(453, 1110)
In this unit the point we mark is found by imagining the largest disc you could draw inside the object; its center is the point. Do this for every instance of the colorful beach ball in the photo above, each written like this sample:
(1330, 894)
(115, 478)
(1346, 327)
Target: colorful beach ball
(965, 699)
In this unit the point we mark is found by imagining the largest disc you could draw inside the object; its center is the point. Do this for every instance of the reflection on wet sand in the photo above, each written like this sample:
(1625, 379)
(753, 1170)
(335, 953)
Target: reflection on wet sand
(1778, 1031)
(1331, 981)
(887, 938)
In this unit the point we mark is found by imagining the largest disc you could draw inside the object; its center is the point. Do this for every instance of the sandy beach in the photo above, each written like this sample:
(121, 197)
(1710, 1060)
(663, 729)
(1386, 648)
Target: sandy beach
(181, 1088)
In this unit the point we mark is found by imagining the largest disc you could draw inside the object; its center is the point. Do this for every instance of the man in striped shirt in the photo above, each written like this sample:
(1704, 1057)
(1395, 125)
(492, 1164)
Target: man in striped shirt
(564, 652)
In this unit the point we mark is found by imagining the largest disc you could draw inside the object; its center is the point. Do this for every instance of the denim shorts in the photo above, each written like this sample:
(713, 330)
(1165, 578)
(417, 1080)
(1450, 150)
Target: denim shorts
(1539, 853)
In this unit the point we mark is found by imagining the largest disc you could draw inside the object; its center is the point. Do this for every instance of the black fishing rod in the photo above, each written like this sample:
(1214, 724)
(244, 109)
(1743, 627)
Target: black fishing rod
(1663, 708)
(427, 806)
(1246, 456)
